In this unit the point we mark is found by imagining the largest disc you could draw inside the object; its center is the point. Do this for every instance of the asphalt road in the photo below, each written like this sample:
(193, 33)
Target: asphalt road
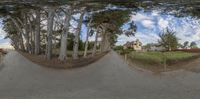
(108, 78)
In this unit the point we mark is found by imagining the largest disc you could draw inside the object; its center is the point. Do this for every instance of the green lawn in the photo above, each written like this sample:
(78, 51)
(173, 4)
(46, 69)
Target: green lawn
(159, 57)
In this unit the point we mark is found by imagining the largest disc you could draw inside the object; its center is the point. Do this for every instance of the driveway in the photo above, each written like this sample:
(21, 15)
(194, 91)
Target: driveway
(108, 78)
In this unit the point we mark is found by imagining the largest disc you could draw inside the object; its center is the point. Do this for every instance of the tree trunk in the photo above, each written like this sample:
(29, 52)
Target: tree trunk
(105, 44)
(26, 32)
(63, 47)
(103, 34)
(102, 43)
(76, 39)
(86, 41)
(31, 36)
(37, 33)
(95, 44)
(49, 32)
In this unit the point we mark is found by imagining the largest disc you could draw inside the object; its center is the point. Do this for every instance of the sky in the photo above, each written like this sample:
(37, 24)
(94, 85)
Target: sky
(149, 25)
(4, 43)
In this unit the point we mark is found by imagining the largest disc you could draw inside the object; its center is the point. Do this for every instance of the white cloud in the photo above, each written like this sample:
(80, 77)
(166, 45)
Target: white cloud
(146, 21)
(155, 13)
(188, 34)
(140, 17)
(148, 24)
(189, 30)
(162, 23)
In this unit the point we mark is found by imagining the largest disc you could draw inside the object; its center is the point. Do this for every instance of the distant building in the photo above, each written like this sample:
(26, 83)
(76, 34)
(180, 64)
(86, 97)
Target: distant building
(135, 45)
(153, 47)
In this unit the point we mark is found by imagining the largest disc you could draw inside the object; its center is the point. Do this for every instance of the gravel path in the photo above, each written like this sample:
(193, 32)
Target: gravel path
(108, 78)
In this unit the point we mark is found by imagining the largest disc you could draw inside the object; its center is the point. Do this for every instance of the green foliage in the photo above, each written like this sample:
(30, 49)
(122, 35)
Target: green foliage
(193, 45)
(114, 17)
(120, 47)
(185, 44)
(112, 20)
(168, 40)
(90, 45)
(70, 42)
(121, 50)
(147, 46)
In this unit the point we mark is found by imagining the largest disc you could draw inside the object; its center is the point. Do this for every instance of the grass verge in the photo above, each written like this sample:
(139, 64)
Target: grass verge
(161, 61)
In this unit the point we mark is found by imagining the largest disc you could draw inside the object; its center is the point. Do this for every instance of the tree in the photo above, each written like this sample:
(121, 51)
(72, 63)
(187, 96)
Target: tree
(109, 23)
(168, 40)
(37, 32)
(95, 44)
(193, 45)
(148, 46)
(77, 34)
(89, 33)
(12, 33)
(63, 47)
(185, 44)
(50, 20)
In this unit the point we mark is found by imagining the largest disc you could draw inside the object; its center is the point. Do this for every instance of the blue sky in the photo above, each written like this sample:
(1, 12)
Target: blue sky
(149, 25)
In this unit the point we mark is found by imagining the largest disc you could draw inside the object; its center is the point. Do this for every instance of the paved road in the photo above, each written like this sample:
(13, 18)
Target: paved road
(108, 78)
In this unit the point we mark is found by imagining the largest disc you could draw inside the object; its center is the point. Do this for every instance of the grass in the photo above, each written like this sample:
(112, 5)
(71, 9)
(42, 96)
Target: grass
(160, 57)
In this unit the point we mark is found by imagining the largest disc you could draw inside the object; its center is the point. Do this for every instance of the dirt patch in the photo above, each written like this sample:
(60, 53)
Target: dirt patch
(55, 63)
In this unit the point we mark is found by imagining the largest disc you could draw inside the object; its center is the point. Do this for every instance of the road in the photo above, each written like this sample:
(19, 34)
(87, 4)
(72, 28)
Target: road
(108, 78)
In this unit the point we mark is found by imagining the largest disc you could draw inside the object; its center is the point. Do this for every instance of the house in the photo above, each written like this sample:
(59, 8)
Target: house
(136, 45)
(153, 47)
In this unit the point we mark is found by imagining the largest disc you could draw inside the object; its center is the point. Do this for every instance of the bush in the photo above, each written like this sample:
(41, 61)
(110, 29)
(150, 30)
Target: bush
(118, 47)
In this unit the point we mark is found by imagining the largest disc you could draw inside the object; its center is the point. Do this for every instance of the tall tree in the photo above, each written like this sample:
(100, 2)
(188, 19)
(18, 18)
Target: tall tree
(77, 34)
(185, 44)
(168, 40)
(89, 33)
(26, 32)
(193, 45)
(20, 31)
(37, 32)
(110, 22)
(63, 47)
(95, 43)
(51, 12)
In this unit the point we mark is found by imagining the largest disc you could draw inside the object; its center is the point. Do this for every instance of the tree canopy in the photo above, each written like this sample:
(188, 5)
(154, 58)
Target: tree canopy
(168, 40)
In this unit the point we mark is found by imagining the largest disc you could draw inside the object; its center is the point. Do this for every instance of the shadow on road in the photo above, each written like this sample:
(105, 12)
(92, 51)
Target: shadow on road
(1, 66)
